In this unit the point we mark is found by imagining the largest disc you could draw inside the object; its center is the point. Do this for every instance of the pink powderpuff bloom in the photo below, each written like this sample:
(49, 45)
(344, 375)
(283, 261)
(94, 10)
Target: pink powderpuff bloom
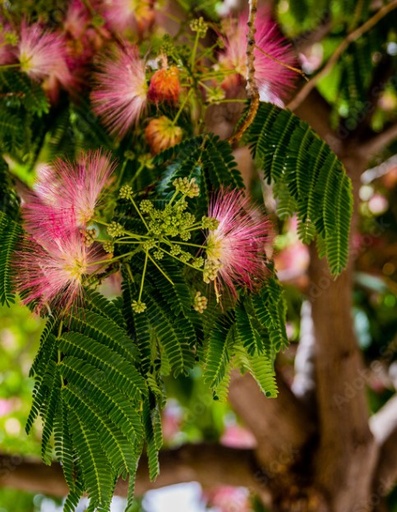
(235, 250)
(128, 16)
(226, 498)
(237, 436)
(120, 94)
(66, 194)
(273, 57)
(51, 274)
(83, 40)
(42, 55)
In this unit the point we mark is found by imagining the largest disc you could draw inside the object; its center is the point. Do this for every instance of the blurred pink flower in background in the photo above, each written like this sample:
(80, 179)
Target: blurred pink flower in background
(66, 194)
(119, 96)
(292, 260)
(83, 40)
(226, 498)
(128, 16)
(237, 436)
(42, 54)
(6, 406)
(273, 57)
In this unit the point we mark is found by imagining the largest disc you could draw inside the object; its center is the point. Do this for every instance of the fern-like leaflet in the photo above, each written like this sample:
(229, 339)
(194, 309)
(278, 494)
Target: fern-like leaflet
(304, 169)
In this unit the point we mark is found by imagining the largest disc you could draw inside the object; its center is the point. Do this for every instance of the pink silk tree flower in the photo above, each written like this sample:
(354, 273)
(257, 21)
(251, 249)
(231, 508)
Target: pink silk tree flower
(128, 16)
(51, 274)
(65, 195)
(120, 94)
(235, 250)
(274, 57)
(42, 55)
(83, 40)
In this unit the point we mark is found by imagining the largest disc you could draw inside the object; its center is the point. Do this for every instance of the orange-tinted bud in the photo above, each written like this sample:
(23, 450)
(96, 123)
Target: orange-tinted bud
(161, 134)
(165, 85)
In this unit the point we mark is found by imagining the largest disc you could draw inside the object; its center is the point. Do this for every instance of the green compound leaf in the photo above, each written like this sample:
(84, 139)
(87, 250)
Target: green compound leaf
(10, 233)
(306, 173)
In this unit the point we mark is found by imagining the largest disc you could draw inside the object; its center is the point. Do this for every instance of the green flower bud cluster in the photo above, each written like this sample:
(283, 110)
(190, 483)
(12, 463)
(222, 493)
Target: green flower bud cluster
(200, 303)
(211, 268)
(209, 223)
(187, 187)
(126, 192)
(199, 26)
(138, 306)
(108, 246)
(173, 221)
(115, 229)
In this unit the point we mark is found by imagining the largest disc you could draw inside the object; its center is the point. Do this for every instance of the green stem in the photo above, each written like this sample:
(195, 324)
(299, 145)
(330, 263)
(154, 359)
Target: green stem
(181, 108)
(121, 173)
(59, 351)
(116, 258)
(143, 275)
(10, 66)
(160, 269)
(129, 233)
(138, 172)
(194, 50)
(139, 213)
(180, 261)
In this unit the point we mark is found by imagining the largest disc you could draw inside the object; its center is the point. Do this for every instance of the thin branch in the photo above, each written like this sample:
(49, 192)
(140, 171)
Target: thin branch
(383, 425)
(379, 142)
(252, 87)
(209, 464)
(351, 37)
(307, 39)
(263, 416)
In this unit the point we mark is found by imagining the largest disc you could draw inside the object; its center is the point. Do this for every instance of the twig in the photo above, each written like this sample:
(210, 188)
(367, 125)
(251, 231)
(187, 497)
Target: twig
(378, 142)
(252, 88)
(351, 37)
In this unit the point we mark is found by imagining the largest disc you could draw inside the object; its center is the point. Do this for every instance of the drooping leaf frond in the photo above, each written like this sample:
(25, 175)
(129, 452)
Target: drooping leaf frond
(10, 232)
(90, 393)
(299, 162)
(218, 353)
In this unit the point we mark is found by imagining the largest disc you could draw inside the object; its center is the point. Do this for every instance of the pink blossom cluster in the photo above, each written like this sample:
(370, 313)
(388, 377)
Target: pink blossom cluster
(274, 58)
(57, 252)
(236, 248)
(95, 46)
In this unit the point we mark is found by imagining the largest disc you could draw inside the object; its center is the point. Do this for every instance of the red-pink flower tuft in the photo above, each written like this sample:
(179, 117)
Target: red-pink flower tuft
(58, 252)
(65, 195)
(51, 274)
(129, 16)
(236, 248)
(273, 57)
(120, 94)
(42, 55)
